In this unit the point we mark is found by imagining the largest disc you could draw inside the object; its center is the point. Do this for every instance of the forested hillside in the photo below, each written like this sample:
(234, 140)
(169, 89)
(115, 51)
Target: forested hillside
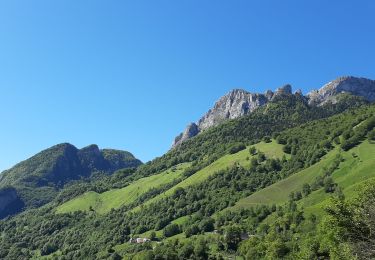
(37, 180)
(204, 199)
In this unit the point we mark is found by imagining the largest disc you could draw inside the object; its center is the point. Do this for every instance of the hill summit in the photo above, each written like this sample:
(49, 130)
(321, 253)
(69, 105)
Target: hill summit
(36, 181)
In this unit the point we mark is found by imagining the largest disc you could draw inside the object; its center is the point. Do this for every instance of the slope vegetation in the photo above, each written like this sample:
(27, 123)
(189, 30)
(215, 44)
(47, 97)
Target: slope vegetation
(358, 165)
(271, 150)
(116, 198)
(37, 180)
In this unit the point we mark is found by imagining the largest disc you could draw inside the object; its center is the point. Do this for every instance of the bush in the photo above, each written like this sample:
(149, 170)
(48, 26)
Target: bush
(236, 148)
(280, 140)
(48, 249)
(371, 135)
(329, 185)
(287, 149)
(171, 230)
(207, 225)
(306, 189)
(252, 150)
(192, 230)
(266, 139)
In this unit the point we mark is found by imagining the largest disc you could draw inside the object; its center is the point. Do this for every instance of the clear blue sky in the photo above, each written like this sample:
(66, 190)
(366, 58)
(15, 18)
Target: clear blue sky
(132, 74)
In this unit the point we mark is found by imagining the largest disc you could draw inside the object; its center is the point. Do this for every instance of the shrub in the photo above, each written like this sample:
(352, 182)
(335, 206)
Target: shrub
(252, 150)
(236, 148)
(171, 230)
(266, 139)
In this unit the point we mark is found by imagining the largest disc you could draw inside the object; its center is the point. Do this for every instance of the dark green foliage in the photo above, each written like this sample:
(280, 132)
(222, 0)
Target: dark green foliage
(353, 138)
(329, 185)
(48, 248)
(287, 149)
(186, 251)
(306, 189)
(118, 159)
(192, 230)
(236, 148)
(371, 135)
(200, 249)
(266, 139)
(232, 237)
(252, 150)
(38, 179)
(352, 222)
(325, 180)
(207, 225)
(153, 236)
(171, 230)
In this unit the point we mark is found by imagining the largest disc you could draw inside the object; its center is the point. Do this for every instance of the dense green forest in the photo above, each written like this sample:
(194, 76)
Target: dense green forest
(202, 220)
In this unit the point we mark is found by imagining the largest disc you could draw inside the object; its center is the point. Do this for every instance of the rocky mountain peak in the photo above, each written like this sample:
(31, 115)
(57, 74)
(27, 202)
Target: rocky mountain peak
(352, 85)
(284, 90)
(269, 94)
(190, 131)
(234, 104)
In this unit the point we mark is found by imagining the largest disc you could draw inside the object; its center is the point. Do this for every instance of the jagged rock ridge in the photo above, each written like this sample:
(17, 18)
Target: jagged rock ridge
(356, 86)
(236, 103)
(240, 102)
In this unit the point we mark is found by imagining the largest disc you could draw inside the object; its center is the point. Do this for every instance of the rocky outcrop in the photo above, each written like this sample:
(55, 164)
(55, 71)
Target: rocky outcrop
(191, 130)
(284, 90)
(356, 86)
(240, 102)
(235, 104)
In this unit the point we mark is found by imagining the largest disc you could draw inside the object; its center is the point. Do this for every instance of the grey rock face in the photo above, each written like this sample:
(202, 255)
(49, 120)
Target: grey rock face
(269, 94)
(356, 86)
(286, 90)
(190, 131)
(235, 104)
(239, 102)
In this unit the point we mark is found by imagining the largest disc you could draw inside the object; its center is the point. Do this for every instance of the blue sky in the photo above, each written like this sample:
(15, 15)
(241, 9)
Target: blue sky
(132, 74)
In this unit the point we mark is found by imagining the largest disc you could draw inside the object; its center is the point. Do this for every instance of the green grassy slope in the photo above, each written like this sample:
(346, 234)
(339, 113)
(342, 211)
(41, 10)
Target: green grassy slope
(358, 166)
(352, 171)
(271, 150)
(104, 202)
(278, 193)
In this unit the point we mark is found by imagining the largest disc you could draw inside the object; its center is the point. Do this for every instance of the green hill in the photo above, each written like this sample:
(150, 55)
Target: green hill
(37, 180)
(112, 199)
